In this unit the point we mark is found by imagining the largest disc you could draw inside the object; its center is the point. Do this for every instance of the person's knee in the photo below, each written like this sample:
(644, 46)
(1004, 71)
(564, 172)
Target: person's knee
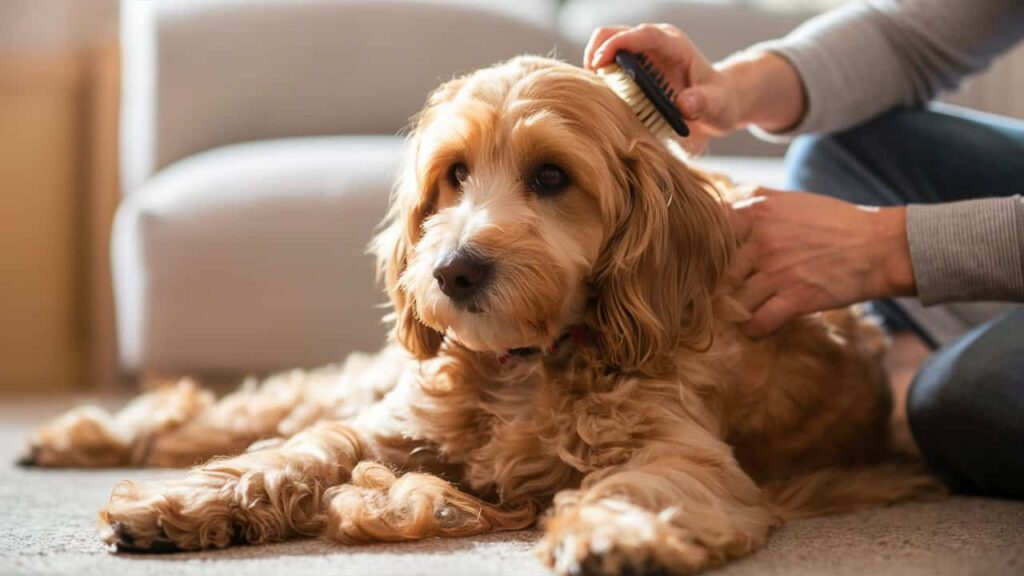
(958, 388)
(939, 414)
(937, 402)
(963, 409)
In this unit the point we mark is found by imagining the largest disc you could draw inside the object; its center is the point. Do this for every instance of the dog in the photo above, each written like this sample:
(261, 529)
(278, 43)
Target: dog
(565, 350)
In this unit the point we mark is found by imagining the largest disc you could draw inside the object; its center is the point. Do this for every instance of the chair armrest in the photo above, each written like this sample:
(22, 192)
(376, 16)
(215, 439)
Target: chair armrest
(252, 257)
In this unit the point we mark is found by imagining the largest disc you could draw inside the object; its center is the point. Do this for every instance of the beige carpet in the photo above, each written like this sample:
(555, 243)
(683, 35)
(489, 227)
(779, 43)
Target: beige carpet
(47, 526)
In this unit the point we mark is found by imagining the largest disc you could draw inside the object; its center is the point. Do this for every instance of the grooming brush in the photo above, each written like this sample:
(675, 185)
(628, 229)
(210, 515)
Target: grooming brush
(638, 83)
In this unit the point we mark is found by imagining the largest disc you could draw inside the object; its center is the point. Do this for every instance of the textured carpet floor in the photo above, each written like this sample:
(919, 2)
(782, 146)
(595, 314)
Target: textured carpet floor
(47, 526)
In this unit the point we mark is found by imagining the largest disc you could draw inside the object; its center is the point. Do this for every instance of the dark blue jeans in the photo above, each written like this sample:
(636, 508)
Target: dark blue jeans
(966, 404)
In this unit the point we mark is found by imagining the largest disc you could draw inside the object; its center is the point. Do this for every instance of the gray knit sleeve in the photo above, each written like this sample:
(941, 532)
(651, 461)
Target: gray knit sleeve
(971, 250)
(867, 57)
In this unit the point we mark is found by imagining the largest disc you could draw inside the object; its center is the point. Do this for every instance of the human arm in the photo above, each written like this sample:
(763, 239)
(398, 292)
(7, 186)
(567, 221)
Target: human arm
(867, 57)
(834, 71)
(801, 253)
(751, 88)
(970, 250)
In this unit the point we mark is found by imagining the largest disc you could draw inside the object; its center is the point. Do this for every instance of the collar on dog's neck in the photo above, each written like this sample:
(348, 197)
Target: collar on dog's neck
(576, 335)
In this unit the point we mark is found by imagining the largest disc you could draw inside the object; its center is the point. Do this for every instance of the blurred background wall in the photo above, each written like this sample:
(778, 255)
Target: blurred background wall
(58, 96)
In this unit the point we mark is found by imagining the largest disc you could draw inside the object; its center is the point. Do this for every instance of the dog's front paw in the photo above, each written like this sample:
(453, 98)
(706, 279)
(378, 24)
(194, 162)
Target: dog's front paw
(120, 535)
(613, 537)
(257, 497)
(80, 438)
(168, 516)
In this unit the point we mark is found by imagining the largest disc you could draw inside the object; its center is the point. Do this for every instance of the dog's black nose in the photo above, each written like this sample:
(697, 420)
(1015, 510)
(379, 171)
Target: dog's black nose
(462, 275)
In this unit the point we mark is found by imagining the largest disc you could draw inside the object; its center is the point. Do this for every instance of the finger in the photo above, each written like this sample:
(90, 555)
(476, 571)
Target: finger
(643, 38)
(771, 317)
(756, 290)
(596, 39)
(743, 263)
(692, 102)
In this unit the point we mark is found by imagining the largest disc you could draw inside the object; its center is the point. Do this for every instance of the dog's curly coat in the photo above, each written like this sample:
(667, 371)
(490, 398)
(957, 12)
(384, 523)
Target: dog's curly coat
(657, 436)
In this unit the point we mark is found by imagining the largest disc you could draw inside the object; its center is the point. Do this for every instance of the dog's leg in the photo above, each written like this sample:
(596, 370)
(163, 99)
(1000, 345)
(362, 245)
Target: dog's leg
(263, 495)
(91, 437)
(277, 489)
(674, 508)
(296, 488)
(182, 424)
(378, 506)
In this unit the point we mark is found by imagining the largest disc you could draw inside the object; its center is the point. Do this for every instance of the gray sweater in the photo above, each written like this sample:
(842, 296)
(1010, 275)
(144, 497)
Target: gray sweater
(908, 52)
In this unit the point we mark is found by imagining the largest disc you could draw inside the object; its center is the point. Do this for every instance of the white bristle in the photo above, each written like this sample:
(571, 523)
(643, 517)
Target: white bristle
(630, 93)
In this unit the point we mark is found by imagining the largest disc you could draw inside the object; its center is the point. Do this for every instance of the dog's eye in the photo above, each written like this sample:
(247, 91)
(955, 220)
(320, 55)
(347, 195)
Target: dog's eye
(457, 174)
(549, 179)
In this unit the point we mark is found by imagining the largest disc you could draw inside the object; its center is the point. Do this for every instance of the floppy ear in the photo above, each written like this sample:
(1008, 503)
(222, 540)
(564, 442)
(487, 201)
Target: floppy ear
(393, 248)
(400, 231)
(659, 269)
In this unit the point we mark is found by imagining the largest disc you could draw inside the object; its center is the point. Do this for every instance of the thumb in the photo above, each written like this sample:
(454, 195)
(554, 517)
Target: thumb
(692, 102)
(771, 316)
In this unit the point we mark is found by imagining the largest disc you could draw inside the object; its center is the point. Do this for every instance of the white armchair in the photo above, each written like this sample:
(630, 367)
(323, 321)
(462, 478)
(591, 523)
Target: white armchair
(258, 151)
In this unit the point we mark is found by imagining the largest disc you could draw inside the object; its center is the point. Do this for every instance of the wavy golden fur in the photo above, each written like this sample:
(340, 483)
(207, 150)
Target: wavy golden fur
(657, 437)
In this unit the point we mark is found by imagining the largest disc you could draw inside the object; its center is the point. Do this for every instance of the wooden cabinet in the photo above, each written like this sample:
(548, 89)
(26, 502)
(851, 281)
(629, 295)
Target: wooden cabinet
(41, 242)
(58, 189)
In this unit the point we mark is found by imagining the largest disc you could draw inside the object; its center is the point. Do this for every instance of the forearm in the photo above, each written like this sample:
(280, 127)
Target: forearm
(859, 60)
(894, 273)
(971, 250)
(956, 251)
(768, 90)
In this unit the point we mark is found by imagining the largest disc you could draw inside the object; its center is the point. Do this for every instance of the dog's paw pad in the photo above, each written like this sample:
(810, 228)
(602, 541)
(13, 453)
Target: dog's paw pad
(125, 542)
(29, 456)
(598, 565)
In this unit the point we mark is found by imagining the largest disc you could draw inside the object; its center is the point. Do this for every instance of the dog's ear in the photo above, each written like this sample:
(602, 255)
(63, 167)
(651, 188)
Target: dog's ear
(393, 247)
(401, 230)
(658, 270)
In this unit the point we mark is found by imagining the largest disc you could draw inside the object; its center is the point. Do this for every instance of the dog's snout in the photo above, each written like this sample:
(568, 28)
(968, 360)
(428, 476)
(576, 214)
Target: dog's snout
(462, 275)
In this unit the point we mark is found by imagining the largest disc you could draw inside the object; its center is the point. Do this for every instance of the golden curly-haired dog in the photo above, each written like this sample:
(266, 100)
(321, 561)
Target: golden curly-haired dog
(564, 342)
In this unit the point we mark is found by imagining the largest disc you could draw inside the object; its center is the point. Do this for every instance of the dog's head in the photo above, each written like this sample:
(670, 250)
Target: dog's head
(533, 200)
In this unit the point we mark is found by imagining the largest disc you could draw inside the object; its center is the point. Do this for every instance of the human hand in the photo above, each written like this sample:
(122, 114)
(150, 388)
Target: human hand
(750, 88)
(703, 94)
(801, 253)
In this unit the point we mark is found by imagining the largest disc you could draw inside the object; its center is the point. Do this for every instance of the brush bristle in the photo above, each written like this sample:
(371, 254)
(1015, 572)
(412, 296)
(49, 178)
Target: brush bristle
(630, 93)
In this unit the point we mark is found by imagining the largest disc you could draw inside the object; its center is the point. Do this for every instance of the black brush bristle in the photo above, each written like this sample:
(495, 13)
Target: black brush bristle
(653, 84)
